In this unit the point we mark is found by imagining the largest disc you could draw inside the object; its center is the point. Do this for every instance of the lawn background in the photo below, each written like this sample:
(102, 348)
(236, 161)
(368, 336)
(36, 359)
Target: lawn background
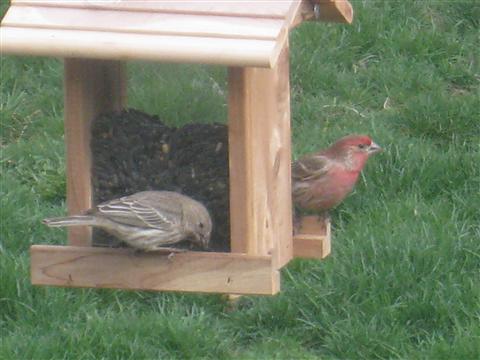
(403, 280)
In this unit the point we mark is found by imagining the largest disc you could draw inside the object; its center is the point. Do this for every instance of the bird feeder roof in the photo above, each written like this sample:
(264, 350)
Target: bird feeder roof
(228, 32)
(243, 33)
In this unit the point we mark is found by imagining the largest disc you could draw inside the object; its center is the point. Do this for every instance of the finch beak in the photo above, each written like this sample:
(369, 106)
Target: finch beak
(374, 148)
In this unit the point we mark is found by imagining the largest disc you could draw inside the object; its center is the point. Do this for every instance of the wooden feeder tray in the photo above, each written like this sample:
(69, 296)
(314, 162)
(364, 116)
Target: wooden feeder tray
(122, 268)
(95, 37)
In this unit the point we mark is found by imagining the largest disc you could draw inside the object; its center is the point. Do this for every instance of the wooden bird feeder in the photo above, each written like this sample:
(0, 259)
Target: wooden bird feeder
(95, 38)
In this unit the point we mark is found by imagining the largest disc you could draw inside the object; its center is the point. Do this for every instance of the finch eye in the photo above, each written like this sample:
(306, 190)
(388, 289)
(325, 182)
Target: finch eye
(200, 225)
(362, 146)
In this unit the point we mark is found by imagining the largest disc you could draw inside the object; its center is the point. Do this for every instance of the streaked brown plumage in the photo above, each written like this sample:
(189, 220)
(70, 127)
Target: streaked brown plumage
(148, 220)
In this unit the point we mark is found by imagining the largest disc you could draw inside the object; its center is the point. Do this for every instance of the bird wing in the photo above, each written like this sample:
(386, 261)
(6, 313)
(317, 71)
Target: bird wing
(143, 211)
(310, 167)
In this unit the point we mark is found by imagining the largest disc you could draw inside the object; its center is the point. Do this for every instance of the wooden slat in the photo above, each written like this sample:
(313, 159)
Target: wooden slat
(291, 16)
(255, 8)
(340, 11)
(72, 266)
(311, 247)
(313, 240)
(91, 87)
(125, 46)
(143, 22)
(278, 143)
(259, 151)
(335, 10)
(243, 226)
(304, 13)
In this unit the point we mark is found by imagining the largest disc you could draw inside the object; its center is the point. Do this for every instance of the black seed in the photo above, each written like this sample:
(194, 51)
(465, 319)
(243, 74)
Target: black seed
(129, 156)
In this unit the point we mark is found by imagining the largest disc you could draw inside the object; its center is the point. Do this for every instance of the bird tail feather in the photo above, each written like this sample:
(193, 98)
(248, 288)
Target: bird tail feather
(70, 221)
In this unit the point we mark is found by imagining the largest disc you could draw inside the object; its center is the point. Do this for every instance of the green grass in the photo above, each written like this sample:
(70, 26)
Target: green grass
(403, 280)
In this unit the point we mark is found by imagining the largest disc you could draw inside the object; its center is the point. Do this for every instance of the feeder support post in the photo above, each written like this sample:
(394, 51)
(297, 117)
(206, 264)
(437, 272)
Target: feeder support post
(260, 164)
(92, 87)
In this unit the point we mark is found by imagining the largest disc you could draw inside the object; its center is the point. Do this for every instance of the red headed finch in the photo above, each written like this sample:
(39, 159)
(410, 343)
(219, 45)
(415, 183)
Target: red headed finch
(320, 181)
(148, 220)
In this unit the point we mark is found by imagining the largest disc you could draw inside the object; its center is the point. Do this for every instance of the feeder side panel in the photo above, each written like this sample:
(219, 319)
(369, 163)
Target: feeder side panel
(91, 87)
(259, 147)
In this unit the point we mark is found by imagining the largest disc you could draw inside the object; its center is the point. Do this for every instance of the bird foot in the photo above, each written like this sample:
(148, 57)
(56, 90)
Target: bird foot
(323, 217)
(169, 251)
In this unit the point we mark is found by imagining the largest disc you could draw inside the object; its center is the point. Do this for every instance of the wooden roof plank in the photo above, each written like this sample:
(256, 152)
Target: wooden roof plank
(127, 46)
(259, 8)
(142, 22)
(227, 32)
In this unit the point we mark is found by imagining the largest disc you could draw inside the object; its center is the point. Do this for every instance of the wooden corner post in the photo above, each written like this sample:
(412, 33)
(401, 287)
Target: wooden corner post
(91, 88)
(259, 148)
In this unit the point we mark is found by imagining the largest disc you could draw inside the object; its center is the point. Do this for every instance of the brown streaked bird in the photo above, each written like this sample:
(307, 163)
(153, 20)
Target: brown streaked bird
(322, 180)
(147, 220)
